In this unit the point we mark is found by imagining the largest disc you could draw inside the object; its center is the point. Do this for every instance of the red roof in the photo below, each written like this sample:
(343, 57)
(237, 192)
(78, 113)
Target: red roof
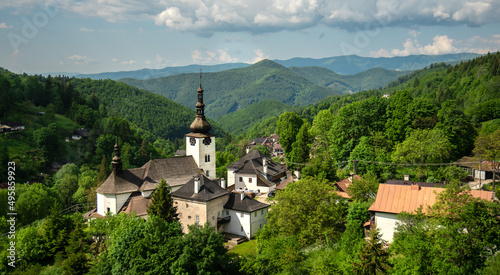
(398, 198)
(344, 184)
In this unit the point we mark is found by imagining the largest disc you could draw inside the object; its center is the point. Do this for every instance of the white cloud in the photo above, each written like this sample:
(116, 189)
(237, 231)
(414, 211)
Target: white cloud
(128, 62)
(83, 29)
(208, 16)
(260, 56)
(158, 62)
(442, 44)
(212, 57)
(5, 26)
(79, 59)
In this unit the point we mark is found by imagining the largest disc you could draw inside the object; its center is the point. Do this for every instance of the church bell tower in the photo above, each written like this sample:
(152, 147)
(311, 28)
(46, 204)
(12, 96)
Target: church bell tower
(200, 143)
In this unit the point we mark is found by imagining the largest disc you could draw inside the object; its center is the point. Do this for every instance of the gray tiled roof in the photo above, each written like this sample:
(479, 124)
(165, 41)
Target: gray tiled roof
(251, 163)
(209, 190)
(176, 171)
(246, 205)
(128, 181)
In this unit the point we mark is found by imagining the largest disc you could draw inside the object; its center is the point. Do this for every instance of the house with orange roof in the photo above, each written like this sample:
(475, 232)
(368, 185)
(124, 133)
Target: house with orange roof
(393, 199)
(343, 185)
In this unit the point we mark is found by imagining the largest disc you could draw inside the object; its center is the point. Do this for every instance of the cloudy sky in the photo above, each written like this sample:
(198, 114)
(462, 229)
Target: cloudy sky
(90, 36)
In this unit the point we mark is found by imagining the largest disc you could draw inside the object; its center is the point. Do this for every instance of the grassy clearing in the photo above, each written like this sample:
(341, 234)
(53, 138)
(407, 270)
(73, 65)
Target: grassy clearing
(244, 249)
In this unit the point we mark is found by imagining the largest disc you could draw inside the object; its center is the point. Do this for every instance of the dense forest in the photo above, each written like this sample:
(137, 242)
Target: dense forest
(433, 115)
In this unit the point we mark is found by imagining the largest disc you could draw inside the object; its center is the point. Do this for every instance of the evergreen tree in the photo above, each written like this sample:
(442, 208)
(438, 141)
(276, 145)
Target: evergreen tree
(374, 258)
(103, 170)
(162, 204)
(301, 146)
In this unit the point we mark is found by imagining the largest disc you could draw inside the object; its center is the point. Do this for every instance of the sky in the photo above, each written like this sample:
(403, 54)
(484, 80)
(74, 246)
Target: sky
(91, 36)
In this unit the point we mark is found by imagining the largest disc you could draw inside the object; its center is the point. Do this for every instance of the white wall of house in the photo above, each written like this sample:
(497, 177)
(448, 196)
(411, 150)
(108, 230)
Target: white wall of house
(248, 181)
(386, 222)
(240, 223)
(199, 151)
(111, 201)
(257, 220)
(231, 177)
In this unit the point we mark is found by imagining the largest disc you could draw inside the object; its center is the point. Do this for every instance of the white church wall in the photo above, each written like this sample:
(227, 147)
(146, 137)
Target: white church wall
(199, 151)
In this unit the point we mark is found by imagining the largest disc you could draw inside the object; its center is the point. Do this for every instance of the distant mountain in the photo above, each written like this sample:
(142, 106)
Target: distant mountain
(369, 79)
(235, 89)
(353, 64)
(168, 71)
(343, 65)
(241, 121)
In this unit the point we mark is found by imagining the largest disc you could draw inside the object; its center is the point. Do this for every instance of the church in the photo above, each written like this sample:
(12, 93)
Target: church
(197, 194)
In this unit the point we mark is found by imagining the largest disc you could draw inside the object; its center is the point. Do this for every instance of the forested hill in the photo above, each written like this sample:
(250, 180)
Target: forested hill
(235, 89)
(370, 79)
(161, 116)
(241, 121)
(167, 71)
(446, 105)
(353, 64)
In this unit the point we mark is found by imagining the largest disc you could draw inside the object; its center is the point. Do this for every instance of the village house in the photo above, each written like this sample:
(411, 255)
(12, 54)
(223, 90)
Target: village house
(254, 171)
(475, 168)
(271, 143)
(80, 133)
(395, 197)
(343, 185)
(11, 126)
(197, 194)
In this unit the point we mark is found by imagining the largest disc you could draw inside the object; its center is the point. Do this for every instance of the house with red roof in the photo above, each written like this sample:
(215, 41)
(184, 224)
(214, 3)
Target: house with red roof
(394, 198)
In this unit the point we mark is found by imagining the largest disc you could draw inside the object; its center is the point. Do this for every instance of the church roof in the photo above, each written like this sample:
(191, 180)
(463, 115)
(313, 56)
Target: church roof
(176, 171)
(127, 181)
(246, 205)
(136, 203)
(251, 163)
(209, 190)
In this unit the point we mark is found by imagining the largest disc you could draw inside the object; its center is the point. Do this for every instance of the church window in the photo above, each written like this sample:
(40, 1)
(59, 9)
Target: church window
(197, 220)
(255, 215)
(207, 173)
(207, 141)
(250, 180)
(241, 179)
(207, 158)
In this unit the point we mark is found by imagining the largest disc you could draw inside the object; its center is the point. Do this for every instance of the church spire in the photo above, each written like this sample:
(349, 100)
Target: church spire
(117, 161)
(200, 123)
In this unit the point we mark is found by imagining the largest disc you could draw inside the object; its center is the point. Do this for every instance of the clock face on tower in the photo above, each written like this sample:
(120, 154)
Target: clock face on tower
(192, 141)
(207, 141)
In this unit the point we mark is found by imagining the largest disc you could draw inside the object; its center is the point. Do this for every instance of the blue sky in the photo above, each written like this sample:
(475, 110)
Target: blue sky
(90, 36)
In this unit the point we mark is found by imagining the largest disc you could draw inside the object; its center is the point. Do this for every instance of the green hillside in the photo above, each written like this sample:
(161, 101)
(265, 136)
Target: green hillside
(241, 121)
(161, 116)
(369, 79)
(353, 64)
(235, 89)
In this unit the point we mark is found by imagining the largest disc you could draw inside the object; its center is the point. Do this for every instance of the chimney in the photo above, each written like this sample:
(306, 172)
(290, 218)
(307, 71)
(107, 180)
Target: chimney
(248, 149)
(196, 185)
(242, 194)
(407, 177)
(415, 186)
(351, 177)
(297, 173)
(264, 167)
(222, 183)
